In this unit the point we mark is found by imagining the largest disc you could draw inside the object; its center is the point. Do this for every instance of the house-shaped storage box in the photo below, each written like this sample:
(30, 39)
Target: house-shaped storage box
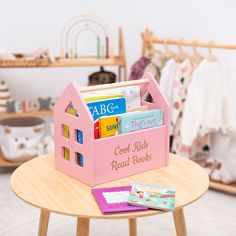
(95, 161)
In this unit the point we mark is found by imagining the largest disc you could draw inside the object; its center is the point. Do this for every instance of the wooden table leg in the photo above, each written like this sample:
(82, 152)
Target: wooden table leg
(132, 227)
(179, 220)
(43, 223)
(82, 227)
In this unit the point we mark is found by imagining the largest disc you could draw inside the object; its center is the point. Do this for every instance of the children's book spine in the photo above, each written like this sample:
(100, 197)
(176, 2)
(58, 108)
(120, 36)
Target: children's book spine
(135, 121)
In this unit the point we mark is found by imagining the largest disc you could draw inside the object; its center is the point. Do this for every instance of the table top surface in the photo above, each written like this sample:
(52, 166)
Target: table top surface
(39, 184)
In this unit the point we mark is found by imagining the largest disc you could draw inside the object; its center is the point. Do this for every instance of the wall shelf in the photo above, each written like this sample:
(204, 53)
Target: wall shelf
(118, 61)
(5, 163)
(227, 188)
(4, 115)
(86, 61)
(77, 62)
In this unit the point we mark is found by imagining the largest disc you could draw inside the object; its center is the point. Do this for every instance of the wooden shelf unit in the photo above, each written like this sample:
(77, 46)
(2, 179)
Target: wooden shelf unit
(118, 61)
(87, 61)
(78, 62)
(227, 188)
(5, 163)
(4, 115)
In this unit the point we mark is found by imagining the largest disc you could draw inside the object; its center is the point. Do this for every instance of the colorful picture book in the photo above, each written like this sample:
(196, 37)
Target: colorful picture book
(114, 199)
(108, 126)
(117, 111)
(134, 121)
(131, 94)
(97, 98)
(108, 107)
(152, 196)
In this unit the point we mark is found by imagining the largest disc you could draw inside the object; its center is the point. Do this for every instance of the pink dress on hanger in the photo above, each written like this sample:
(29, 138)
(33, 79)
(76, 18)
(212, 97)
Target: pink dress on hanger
(180, 88)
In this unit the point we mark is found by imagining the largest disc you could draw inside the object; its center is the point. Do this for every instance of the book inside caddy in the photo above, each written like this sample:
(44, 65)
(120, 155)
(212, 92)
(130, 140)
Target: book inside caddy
(119, 111)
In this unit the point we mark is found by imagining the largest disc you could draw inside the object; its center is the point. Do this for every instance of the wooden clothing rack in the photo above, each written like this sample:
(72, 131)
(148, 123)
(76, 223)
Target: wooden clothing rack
(149, 41)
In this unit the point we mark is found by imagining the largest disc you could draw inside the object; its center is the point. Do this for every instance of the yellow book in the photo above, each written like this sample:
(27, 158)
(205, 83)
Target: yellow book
(67, 153)
(108, 126)
(66, 131)
(102, 97)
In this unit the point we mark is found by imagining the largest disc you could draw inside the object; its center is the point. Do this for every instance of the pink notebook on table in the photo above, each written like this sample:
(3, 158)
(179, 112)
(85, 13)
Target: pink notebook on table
(114, 199)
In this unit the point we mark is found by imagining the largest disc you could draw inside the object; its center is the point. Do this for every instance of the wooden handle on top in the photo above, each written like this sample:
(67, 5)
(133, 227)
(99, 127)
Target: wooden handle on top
(115, 85)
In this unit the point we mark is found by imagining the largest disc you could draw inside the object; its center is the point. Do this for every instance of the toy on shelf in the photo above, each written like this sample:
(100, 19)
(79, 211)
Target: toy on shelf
(95, 161)
(37, 58)
(5, 96)
(20, 137)
(104, 55)
(74, 28)
(33, 105)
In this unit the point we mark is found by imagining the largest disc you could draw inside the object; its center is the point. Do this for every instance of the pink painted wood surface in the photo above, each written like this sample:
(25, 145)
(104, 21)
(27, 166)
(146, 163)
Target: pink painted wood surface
(83, 122)
(129, 154)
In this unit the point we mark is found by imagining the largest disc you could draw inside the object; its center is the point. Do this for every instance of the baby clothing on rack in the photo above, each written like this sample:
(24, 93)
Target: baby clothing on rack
(207, 107)
(138, 68)
(223, 155)
(155, 66)
(180, 87)
(168, 73)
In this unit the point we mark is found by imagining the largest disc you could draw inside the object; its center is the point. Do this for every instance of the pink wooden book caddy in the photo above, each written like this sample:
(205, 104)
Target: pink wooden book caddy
(114, 157)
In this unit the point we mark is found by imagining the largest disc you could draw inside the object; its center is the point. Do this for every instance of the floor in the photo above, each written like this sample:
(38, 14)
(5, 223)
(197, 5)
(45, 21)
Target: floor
(213, 214)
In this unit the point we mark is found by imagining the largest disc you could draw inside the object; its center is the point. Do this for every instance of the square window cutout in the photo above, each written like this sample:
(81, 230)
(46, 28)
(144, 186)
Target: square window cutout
(79, 136)
(66, 131)
(66, 153)
(79, 159)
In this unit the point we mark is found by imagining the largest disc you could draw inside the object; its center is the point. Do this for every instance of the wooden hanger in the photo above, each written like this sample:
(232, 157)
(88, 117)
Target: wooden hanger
(196, 57)
(167, 54)
(211, 57)
(181, 55)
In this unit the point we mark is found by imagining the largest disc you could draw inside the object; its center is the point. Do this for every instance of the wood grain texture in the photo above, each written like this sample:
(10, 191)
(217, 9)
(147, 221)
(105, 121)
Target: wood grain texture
(43, 223)
(5, 163)
(39, 184)
(25, 114)
(84, 62)
(227, 188)
(179, 220)
(82, 227)
(132, 227)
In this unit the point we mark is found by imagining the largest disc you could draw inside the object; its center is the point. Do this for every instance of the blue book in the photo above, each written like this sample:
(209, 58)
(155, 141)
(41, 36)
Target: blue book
(108, 107)
(79, 136)
(139, 120)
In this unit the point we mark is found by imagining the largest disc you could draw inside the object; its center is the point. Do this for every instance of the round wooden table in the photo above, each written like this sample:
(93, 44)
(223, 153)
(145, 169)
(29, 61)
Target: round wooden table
(39, 184)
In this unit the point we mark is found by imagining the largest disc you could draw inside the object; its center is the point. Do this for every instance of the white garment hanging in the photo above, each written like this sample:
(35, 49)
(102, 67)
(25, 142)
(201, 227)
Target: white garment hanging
(207, 108)
(224, 151)
(168, 74)
(167, 77)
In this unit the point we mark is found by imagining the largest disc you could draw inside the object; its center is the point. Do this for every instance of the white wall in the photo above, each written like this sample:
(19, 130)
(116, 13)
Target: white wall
(25, 25)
